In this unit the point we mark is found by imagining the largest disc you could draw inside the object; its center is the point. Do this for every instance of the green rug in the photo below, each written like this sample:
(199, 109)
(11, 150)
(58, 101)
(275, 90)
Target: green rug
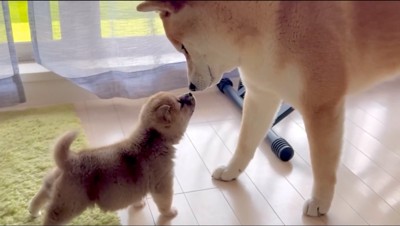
(26, 137)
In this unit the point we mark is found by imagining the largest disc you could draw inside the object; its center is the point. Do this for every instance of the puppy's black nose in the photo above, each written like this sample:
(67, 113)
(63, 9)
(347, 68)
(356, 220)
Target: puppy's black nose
(186, 99)
(192, 87)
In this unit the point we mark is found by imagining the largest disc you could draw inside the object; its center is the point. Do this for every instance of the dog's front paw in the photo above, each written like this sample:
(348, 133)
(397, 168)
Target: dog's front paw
(315, 208)
(170, 213)
(225, 174)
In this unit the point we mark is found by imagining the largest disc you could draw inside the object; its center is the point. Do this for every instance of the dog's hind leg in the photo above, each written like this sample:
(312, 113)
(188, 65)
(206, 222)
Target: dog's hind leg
(38, 201)
(259, 108)
(66, 203)
(62, 212)
(324, 126)
(43, 194)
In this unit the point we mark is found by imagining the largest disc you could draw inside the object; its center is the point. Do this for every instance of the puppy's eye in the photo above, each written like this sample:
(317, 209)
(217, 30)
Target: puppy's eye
(184, 49)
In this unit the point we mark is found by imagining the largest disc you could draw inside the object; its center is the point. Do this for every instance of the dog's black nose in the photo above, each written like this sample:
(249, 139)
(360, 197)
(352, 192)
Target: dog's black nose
(192, 87)
(190, 94)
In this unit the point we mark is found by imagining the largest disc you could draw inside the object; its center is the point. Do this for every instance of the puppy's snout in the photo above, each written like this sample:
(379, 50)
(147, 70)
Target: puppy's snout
(192, 87)
(187, 99)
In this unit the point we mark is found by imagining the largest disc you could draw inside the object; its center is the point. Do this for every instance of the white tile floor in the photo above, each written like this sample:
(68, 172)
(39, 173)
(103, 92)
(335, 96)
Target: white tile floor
(270, 192)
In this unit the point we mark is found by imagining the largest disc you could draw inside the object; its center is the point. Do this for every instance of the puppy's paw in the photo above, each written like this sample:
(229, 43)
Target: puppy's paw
(315, 208)
(139, 204)
(170, 213)
(225, 174)
(34, 213)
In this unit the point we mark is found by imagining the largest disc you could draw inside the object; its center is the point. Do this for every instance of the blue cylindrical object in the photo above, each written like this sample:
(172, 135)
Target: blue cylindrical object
(280, 147)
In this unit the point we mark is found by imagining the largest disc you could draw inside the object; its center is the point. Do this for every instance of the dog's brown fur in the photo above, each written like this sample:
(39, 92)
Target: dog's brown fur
(121, 174)
(309, 54)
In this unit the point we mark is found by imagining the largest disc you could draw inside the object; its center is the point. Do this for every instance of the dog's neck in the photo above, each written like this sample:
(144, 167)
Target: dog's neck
(147, 143)
(151, 137)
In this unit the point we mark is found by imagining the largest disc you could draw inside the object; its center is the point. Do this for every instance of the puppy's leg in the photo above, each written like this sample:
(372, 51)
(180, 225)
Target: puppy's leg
(163, 194)
(39, 200)
(259, 108)
(324, 128)
(67, 202)
(140, 204)
(43, 195)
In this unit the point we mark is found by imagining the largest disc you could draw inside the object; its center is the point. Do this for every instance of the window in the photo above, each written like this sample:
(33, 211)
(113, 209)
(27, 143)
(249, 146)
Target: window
(21, 32)
(118, 19)
(20, 21)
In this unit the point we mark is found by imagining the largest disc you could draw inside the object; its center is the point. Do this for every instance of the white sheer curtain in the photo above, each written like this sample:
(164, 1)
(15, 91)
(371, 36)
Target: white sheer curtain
(105, 47)
(11, 91)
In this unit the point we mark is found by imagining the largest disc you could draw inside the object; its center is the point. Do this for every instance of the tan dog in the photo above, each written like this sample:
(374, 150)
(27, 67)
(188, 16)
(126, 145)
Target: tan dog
(116, 176)
(309, 54)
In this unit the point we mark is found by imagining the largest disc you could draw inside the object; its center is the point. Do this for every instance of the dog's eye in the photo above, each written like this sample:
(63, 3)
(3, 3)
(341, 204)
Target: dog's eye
(184, 49)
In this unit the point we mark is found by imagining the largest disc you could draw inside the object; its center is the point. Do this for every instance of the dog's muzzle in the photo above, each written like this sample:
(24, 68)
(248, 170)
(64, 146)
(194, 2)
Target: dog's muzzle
(187, 99)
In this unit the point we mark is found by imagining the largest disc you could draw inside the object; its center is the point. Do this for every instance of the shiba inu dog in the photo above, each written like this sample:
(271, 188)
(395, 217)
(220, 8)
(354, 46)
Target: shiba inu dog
(309, 54)
(118, 175)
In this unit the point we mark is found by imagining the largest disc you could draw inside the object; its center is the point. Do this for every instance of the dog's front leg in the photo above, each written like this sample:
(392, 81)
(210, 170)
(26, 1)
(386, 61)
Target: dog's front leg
(324, 126)
(141, 203)
(259, 108)
(162, 195)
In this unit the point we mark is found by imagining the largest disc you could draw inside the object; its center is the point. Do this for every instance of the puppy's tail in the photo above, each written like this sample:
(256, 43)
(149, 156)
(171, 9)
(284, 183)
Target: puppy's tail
(62, 148)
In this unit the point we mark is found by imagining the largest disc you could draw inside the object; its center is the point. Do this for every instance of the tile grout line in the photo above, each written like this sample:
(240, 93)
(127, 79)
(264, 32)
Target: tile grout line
(252, 182)
(211, 173)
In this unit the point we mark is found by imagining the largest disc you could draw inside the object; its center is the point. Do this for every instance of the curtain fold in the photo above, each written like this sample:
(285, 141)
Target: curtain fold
(106, 47)
(11, 90)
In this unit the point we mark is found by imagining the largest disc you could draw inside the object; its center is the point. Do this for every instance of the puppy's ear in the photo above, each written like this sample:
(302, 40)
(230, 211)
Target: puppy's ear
(164, 113)
(166, 7)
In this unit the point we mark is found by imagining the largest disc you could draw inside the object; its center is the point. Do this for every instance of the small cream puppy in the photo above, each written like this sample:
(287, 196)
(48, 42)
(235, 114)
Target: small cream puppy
(116, 176)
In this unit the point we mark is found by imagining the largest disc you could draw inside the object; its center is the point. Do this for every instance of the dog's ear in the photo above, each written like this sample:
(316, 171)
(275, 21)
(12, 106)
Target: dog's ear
(166, 7)
(164, 113)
